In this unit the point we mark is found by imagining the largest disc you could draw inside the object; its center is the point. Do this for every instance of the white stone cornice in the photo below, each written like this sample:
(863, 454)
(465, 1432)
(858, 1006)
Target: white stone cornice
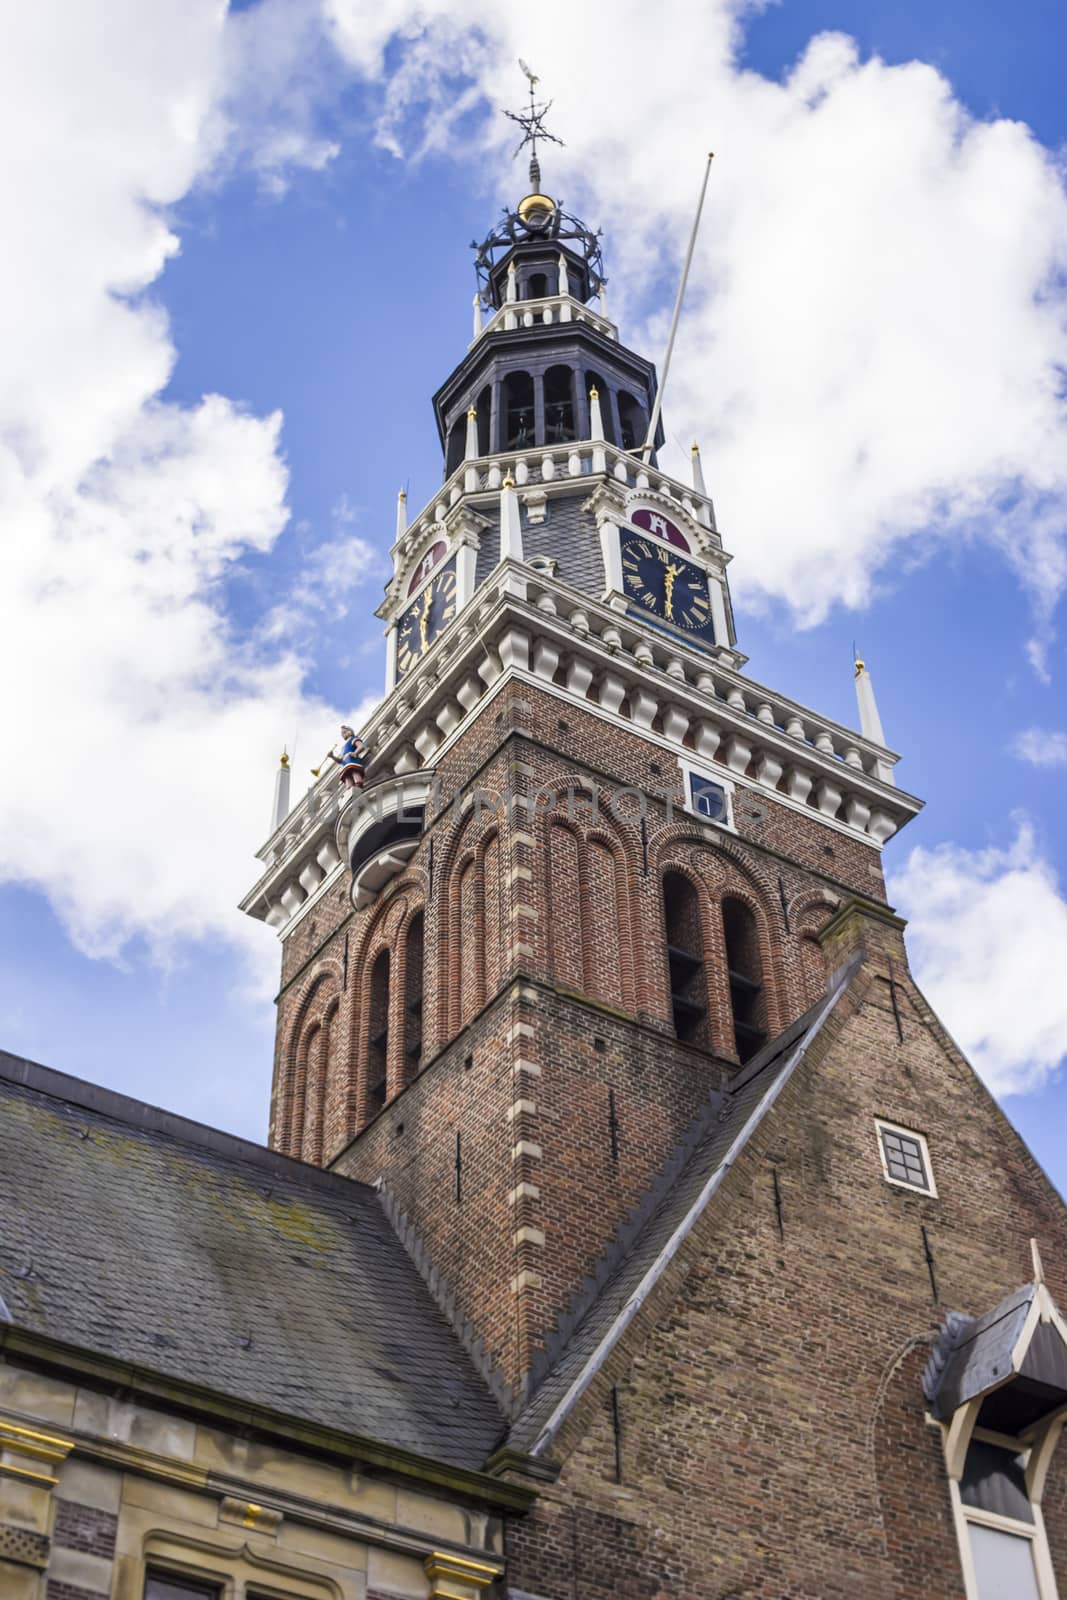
(528, 626)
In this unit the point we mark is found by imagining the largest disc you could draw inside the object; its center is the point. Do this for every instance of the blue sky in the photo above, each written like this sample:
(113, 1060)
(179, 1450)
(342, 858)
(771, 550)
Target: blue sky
(319, 214)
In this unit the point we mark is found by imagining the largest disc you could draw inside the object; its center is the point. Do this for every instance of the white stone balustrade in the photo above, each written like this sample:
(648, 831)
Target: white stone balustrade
(547, 309)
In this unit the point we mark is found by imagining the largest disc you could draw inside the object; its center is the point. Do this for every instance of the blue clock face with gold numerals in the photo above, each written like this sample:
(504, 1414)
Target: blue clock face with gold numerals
(432, 609)
(661, 584)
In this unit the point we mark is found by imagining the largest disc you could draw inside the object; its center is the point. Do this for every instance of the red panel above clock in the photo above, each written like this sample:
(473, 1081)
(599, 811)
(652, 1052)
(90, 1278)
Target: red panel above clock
(661, 527)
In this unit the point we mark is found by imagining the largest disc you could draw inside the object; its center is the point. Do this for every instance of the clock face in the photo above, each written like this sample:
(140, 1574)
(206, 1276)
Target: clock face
(661, 584)
(424, 619)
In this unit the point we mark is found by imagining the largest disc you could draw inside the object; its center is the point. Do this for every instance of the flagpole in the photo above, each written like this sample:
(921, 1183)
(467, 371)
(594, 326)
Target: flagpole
(646, 448)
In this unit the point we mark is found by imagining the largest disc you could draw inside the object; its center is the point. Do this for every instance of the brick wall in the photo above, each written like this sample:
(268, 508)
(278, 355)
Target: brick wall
(547, 1026)
(773, 1432)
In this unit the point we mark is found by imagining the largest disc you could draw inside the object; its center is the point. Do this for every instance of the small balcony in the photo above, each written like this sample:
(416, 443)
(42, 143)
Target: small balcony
(385, 825)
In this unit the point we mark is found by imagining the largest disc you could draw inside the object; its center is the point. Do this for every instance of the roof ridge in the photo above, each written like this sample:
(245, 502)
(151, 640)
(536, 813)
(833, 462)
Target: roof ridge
(622, 1242)
(640, 1213)
(792, 1043)
(90, 1097)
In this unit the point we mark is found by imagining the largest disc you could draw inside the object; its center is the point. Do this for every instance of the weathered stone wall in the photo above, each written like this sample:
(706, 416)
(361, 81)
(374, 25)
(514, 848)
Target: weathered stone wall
(97, 1491)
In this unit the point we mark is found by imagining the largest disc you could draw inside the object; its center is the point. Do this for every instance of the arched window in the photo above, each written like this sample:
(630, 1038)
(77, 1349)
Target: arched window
(632, 421)
(745, 972)
(537, 287)
(518, 411)
(413, 950)
(457, 442)
(685, 959)
(593, 380)
(559, 405)
(484, 406)
(378, 1033)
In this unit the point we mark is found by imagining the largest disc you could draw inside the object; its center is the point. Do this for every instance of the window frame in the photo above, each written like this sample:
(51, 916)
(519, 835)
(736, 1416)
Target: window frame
(882, 1126)
(692, 769)
(196, 1584)
(965, 1517)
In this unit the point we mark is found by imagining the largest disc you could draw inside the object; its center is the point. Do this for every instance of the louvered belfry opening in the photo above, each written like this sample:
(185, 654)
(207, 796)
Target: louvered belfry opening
(747, 999)
(559, 405)
(685, 959)
(518, 411)
(378, 1039)
(413, 951)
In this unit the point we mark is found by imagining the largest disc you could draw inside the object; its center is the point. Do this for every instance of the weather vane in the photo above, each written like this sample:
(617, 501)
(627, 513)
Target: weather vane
(532, 123)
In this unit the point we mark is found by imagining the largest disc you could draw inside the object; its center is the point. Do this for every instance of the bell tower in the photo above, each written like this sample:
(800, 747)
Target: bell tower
(584, 883)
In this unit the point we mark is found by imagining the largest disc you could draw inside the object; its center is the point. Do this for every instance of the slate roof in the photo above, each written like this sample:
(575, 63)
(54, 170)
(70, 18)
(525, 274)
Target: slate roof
(641, 1251)
(974, 1353)
(975, 1356)
(139, 1235)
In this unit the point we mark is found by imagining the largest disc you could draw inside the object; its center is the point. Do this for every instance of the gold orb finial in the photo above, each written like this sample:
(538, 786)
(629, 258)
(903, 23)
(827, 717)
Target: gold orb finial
(472, 413)
(594, 393)
(861, 666)
(402, 495)
(508, 483)
(285, 759)
(694, 448)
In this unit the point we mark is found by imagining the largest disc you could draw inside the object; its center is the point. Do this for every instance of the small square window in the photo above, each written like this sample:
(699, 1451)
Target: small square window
(905, 1158)
(708, 798)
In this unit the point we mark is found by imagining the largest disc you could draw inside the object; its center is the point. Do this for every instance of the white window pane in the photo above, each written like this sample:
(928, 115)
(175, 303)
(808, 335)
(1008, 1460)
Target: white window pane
(1004, 1564)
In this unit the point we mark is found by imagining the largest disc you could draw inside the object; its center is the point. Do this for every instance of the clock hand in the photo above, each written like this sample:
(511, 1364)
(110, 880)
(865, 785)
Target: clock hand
(423, 619)
(669, 575)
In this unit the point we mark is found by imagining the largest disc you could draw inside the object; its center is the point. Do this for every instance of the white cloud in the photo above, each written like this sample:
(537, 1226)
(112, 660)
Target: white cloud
(987, 937)
(1041, 748)
(876, 323)
(141, 731)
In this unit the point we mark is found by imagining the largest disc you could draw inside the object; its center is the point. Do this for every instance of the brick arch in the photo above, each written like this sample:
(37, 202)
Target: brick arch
(451, 861)
(714, 1034)
(563, 896)
(384, 930)
(575, 880)
(320, 1072)
(721, 871)
(613, 979)
(475, 878)
(320, 988)
(808, 913)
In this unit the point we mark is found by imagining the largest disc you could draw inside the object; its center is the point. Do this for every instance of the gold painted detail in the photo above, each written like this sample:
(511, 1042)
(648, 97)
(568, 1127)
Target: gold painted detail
(27, 1454)
(455, 1577)
(535, 202)
(250, 1514)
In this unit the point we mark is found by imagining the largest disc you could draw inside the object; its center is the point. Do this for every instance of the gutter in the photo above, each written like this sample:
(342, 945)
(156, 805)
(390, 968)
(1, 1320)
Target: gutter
(294, 1431)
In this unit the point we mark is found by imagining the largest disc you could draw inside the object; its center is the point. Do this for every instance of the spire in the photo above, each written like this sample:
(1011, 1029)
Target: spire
(472, 434)
(532, 123)
(870, 721)
(477, 314)
(401, 513)
(281, 794)
(698, 470)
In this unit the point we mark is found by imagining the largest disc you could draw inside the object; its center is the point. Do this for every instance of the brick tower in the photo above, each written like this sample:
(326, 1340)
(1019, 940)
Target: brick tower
(588, 874)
